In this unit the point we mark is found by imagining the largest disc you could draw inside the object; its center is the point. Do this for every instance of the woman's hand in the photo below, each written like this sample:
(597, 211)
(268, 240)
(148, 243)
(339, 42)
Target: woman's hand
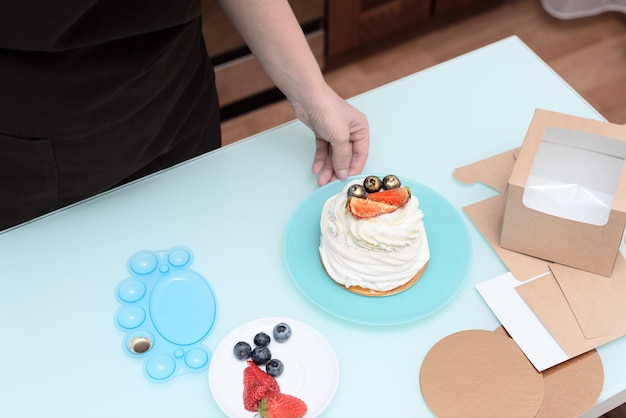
(273, 34)
(341, 136)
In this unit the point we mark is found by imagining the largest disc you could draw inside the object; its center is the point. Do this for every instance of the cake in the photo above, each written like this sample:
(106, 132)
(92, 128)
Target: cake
(373, 241)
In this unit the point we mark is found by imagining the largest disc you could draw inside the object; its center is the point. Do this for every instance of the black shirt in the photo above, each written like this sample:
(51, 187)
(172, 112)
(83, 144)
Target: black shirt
(96, 93)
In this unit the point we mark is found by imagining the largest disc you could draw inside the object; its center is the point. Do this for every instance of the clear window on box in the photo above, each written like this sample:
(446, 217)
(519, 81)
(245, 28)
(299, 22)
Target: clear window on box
(575, 175)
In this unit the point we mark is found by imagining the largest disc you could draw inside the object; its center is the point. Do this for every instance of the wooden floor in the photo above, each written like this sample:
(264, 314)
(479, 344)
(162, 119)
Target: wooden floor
(589, 54)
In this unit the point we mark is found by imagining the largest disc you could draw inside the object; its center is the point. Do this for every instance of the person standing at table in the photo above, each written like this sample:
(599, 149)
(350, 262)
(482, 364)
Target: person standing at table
(94, 94)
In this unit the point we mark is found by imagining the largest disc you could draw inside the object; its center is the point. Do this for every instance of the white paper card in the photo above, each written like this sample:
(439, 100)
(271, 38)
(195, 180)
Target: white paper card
(520, 321)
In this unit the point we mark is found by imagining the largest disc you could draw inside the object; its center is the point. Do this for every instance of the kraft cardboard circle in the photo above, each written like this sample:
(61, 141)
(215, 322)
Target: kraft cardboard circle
(571, 388)
(480, 373)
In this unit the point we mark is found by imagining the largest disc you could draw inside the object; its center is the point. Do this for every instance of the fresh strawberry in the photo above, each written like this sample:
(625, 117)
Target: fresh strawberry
(281, 405)
(366, 208)
(256, 385)
(397, 197)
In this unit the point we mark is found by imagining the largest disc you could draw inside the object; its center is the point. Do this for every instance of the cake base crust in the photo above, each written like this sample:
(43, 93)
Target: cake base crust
(371, 292)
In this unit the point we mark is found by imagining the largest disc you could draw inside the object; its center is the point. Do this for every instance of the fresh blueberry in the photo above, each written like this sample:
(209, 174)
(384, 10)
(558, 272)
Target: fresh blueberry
(242, 350)
(274, 367)
(282, 332)
(261, 339)
(261, 355)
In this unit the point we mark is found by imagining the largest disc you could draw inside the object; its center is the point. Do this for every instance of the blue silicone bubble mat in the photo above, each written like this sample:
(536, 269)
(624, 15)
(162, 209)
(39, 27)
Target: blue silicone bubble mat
(167, 310)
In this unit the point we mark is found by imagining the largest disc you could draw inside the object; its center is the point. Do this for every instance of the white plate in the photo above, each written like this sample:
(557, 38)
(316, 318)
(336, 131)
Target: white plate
(311, 369)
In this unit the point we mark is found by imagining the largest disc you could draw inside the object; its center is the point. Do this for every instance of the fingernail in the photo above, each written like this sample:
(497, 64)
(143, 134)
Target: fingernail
(342, 174)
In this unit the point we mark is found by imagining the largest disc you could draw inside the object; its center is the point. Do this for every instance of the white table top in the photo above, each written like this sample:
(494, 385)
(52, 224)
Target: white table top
(61, 354)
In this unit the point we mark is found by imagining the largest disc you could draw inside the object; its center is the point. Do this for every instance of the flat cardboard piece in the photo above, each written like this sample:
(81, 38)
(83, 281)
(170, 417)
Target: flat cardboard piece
(480, 372)
(493, 172)
(523, 325)
(597, 301)
(570, 388)
(487, 217)
(545, 298)
(588, 145)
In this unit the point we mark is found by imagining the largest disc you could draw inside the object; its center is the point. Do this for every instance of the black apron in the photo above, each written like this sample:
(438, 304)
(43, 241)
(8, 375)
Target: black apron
(94, 94)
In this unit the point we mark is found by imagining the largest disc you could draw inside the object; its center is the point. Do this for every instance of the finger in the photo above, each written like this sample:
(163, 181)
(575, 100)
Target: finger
(359, 156)
(341, 158)
(321, 153)
(327, 174)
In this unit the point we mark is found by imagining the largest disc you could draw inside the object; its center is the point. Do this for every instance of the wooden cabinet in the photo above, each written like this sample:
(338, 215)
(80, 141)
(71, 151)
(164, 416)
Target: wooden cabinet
(352, 25)
(441, 7)
(337, 31)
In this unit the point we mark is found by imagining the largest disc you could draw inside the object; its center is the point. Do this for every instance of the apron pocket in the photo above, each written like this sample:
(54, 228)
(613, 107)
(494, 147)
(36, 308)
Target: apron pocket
(28, 179)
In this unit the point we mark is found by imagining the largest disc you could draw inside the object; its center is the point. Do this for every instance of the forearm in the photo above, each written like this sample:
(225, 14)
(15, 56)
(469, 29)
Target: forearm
(273, 34)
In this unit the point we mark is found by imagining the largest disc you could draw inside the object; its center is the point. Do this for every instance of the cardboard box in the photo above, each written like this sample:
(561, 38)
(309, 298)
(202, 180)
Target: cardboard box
(566, 196)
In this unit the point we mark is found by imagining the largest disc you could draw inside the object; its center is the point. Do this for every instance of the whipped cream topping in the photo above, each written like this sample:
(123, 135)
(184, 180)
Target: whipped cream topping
(379, 253)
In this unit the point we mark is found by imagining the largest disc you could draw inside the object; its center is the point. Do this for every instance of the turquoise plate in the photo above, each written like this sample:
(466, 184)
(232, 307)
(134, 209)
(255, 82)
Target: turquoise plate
(450, 256)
